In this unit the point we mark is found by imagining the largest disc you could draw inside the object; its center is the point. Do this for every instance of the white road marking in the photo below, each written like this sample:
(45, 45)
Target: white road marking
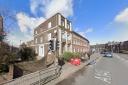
(103, 75)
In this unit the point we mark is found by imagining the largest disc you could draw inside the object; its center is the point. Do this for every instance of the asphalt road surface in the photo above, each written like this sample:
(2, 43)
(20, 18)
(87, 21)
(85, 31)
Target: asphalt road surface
(106, 71)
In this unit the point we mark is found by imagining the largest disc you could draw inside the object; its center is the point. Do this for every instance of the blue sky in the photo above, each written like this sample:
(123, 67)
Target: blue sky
(99, 21)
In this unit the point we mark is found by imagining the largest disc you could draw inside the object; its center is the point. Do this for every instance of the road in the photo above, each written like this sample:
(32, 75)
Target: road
(106, 71)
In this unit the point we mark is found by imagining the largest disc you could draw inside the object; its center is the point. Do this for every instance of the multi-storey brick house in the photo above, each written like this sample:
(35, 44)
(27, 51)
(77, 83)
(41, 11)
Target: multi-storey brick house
(61, 28)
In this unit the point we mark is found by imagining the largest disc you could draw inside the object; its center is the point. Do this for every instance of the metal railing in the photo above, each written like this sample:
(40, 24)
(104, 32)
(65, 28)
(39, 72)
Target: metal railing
(37, 78)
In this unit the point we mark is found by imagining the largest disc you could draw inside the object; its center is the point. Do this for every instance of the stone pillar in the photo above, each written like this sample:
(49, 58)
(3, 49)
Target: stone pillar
(10, 73)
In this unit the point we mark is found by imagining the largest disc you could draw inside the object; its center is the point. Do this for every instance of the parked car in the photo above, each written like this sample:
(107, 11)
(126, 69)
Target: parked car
(108, 54)
(102, 52)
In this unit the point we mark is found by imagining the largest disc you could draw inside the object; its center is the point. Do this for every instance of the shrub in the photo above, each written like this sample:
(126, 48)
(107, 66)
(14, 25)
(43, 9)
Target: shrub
(27, 54)
(67, 56)
(76, 55)
(4, 68)
(6, 56)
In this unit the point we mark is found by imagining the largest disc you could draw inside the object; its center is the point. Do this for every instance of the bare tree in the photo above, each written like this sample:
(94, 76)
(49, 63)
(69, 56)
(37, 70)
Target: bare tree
(9, 20)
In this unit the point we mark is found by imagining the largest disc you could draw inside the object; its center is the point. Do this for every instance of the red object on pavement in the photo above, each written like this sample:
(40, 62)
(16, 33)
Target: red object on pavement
(72, 60)
(75, 61)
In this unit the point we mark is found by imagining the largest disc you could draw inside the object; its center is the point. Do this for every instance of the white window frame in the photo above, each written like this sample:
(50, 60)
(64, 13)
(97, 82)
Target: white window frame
(49, 25)
(41, 51)
(49, 36)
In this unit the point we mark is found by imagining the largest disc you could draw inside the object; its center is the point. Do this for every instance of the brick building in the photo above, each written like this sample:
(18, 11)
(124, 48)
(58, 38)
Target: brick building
(60, 28)
(79, 43)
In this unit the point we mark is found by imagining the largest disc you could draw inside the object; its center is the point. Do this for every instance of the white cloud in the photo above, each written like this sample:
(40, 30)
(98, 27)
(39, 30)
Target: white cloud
(122, 17)
(51, 7)
(26, 22)
(62, 6)
(76, 29)
(38, 5)
(83, 33)
(12, 40)
(121, 23)
(26, 25)
(48, 8)
(34, 5)
(89, 30)
(119, 26)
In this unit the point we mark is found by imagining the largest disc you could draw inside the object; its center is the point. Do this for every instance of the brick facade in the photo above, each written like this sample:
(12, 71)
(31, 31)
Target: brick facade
(60, 28)
(79, 43)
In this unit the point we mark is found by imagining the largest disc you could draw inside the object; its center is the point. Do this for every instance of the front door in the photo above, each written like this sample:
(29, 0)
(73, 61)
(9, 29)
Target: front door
(41, 51)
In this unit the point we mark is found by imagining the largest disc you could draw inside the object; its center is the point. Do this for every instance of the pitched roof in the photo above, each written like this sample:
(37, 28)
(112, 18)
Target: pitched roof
(80, 36)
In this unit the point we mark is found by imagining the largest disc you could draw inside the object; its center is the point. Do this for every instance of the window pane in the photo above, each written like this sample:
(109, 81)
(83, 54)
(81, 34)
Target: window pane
(49, 36)
(49, 25)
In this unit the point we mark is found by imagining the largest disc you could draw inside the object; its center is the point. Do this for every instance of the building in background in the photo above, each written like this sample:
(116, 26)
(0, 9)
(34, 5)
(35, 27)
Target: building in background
(98, 47)
(116, 47)
(61, 28)
(79, 43)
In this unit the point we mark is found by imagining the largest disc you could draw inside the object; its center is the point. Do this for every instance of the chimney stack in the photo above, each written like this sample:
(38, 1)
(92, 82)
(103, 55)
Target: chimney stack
(1, 24)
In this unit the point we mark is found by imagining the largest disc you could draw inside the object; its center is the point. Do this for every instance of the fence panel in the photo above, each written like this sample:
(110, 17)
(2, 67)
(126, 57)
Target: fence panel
(36, 78)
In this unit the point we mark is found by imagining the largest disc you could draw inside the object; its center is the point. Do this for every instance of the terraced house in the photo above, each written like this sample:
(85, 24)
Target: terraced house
(60, 27)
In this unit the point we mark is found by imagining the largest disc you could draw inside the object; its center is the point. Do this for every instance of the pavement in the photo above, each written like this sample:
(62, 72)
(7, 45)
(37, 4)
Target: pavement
(69, 69)
(106, 71)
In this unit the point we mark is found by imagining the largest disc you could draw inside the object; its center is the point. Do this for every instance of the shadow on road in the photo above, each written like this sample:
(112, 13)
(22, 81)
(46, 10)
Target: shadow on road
(72, 78)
